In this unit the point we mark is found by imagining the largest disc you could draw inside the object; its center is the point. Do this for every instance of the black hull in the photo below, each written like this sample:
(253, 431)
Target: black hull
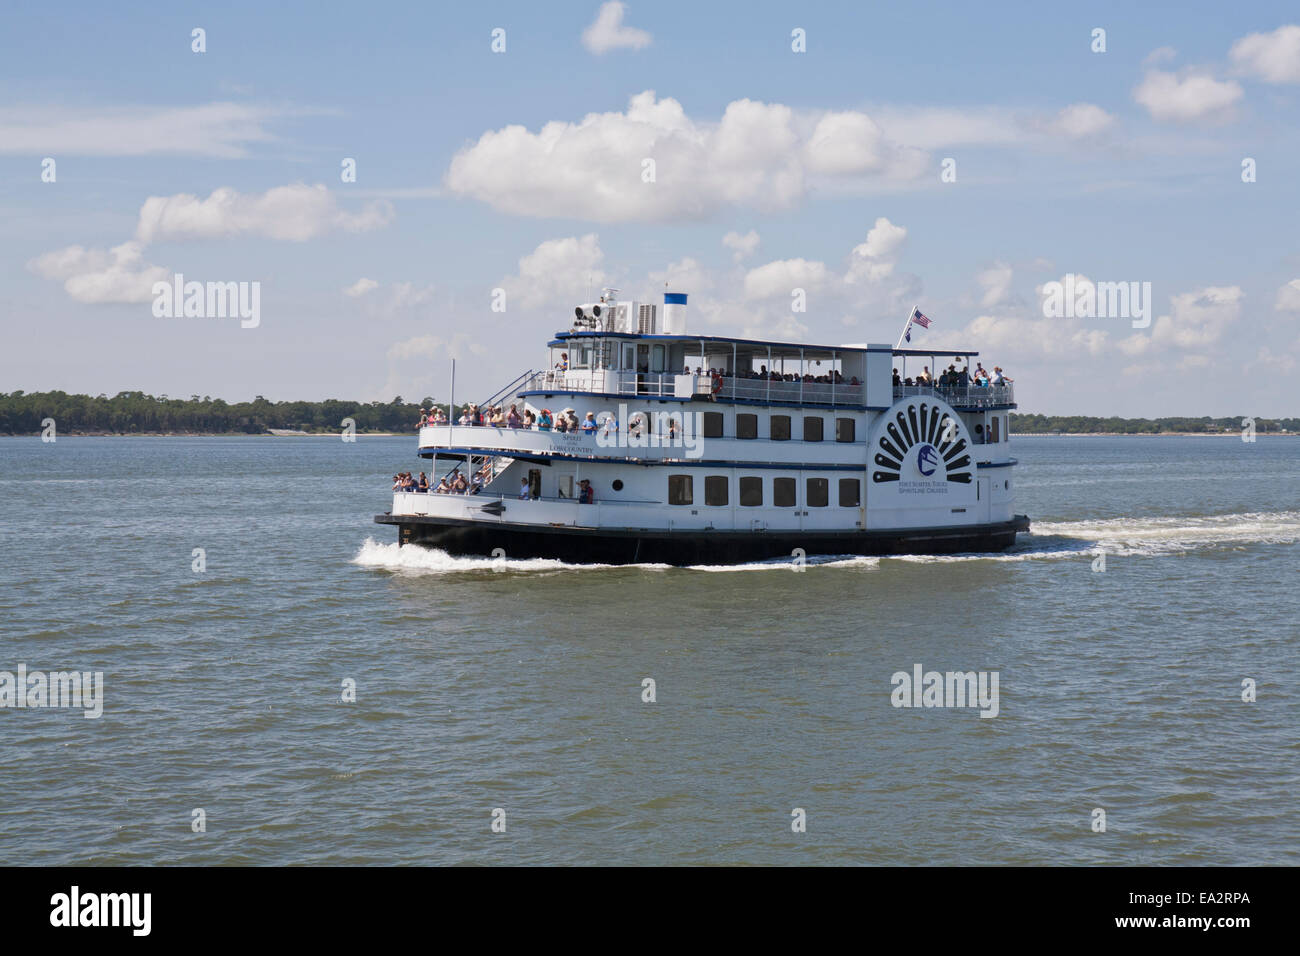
(598, 546)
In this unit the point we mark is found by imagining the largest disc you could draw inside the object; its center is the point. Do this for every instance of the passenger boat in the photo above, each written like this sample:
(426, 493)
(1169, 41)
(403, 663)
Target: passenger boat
(717, 450)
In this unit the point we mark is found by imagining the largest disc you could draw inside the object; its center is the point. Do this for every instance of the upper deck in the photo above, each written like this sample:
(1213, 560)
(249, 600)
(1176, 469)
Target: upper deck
(620, 350)
(752, 390)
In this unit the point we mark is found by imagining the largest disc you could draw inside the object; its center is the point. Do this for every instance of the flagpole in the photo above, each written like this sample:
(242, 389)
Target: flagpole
(906, 326)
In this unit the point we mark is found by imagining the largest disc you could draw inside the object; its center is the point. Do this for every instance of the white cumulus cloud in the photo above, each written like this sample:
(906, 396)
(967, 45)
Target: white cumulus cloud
(295, 213)
(742, 247)
(757, 154)
(361, 287)
(1288, 297)
(1182, 98)
(782, 277)
(1081, 120)
(996, 284)
(1273, 57)
(557, 273)
(873, 260)
(607, 31)
(95, 276)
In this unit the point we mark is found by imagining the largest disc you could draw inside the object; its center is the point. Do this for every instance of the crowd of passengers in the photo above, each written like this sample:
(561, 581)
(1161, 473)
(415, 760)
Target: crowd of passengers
(954, 377)
(456, 484)
(451, 484)
(832, 377)
(566, 420)
(497, 416)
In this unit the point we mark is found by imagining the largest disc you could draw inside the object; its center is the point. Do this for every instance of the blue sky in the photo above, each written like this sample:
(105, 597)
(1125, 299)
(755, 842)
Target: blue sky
(1123, 165)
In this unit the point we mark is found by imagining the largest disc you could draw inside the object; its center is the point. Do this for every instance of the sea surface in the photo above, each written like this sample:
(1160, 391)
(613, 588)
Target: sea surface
(487, 685)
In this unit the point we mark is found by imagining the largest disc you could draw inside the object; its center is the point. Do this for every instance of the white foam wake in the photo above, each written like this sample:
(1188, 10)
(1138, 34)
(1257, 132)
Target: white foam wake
(1141, 537)
(421, 560)
(1124, 537)
(785, 564)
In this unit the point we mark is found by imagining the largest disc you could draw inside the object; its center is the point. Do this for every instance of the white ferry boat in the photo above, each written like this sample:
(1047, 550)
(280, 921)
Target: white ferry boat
(706, 449)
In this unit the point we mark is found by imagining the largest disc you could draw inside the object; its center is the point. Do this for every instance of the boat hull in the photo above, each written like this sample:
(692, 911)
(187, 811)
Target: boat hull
(633, 546)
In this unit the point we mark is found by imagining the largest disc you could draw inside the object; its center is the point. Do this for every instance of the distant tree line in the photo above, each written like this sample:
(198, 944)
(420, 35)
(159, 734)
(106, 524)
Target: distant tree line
(126, 413)
(1052, 424)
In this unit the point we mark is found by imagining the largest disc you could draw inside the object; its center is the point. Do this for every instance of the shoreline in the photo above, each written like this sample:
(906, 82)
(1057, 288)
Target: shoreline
(1016, 434)
(296, 434)
(211, 435)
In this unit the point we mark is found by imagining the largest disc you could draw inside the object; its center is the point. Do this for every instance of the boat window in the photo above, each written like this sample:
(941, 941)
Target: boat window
(751, 492)
(658, 354)
(713, 424)
(812, 428)
(679, 490)
(715, 490)
(850, 492)
(993, 429)
(780, 428)
(746, 425)
(564, 486)
(844, 429)
(629, 357)
(783, 492)
(581, 357)
(818, 493)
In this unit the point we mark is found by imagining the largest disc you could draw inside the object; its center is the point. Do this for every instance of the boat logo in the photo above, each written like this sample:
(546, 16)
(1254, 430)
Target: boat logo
(934, 432)
(927, 460)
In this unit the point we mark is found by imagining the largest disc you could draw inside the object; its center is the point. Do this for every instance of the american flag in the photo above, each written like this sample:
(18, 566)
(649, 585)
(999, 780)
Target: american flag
(920, 319)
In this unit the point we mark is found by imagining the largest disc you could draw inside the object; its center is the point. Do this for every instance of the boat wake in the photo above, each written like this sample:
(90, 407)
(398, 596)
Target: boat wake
(1048, 540)
(1140, 537)
(420, 560)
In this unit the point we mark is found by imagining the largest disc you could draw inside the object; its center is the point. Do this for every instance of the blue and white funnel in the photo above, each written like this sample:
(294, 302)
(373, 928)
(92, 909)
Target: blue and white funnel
(674, 313)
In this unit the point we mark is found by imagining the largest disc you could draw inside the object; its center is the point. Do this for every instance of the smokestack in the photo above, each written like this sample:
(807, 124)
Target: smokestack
(674, 313)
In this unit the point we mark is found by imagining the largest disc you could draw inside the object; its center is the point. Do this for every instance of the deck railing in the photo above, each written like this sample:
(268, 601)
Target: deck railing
(656, 384)
(963, 396)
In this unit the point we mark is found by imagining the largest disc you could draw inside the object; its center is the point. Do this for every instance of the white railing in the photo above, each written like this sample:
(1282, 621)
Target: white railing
(965, 396)
(808, 393)
(656, 384)
(650, 442)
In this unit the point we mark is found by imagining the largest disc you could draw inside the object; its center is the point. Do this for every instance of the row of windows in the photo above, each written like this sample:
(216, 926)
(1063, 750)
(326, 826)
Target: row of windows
(681, 491)
(779, 427)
